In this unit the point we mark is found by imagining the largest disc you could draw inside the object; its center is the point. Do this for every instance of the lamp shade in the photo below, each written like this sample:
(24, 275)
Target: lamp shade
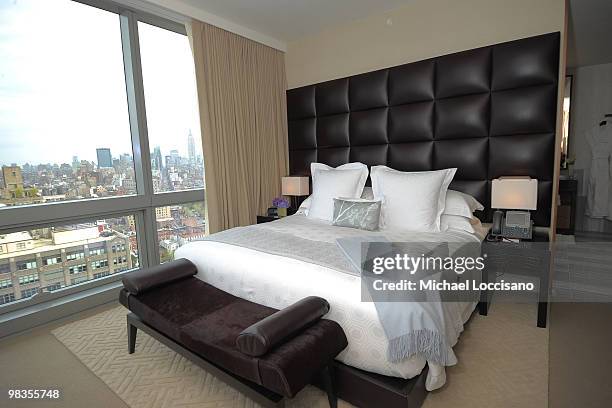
(514, 193)
(295, 186)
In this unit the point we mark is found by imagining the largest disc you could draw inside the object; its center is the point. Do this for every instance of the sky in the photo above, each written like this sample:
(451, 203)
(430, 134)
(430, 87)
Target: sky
(62, 84)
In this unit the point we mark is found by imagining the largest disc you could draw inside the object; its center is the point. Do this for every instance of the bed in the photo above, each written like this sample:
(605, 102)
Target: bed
(278, 281)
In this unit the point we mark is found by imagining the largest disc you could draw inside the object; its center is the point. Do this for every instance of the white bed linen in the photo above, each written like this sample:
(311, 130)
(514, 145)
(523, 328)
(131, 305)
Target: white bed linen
(278, 281)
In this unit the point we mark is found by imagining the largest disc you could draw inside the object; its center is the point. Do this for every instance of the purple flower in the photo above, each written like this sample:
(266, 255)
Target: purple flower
(280, 202)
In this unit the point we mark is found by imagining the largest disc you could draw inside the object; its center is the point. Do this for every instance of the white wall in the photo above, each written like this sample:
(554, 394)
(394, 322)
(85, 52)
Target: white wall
(591, 98)
(420, 30)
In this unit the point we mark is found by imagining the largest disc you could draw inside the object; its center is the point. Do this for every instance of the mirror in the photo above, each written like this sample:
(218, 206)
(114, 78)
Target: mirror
(565, 161)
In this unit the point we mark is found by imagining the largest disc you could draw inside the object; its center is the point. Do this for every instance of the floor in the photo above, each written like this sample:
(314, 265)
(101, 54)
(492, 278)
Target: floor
(500, 355)
(38, 360)
(580, 332)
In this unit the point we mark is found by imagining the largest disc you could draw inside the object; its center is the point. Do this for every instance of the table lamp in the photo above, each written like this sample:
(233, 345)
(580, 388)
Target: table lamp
(513, 193)
(295, 187)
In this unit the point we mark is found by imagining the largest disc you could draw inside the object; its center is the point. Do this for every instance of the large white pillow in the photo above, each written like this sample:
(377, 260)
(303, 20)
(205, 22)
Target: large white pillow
(461, 204)
(458, 222)
(412, 201)
(328, 183)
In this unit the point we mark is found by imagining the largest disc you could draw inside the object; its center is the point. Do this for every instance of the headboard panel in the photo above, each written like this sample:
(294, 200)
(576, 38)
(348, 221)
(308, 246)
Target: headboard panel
(489, 112)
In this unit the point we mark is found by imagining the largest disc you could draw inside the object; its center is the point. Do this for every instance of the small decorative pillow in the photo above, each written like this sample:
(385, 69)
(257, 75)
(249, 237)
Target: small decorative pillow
(356, 213)
(367, 194)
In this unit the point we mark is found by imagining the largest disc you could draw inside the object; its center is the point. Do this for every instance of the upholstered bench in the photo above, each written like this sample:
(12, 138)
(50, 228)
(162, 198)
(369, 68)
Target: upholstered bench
(265, 353)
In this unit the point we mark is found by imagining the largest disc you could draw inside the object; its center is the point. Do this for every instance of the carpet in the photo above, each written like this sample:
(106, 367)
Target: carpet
(502, 363)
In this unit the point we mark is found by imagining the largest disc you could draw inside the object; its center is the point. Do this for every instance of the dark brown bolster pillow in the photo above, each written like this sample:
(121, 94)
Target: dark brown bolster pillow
(146, 279)
(259, 338)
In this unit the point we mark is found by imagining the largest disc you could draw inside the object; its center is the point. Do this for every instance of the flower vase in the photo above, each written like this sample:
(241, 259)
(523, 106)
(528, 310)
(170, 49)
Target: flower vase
(282, 212)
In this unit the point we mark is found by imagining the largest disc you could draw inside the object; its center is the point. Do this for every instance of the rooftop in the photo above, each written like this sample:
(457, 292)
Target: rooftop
(47, 245)
(15, 237)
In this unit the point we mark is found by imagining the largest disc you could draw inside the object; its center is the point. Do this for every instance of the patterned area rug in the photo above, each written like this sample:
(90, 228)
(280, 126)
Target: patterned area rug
(155, 376)
(503, 362)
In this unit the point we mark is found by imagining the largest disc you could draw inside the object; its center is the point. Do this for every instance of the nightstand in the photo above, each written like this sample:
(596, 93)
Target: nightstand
(525, 258)
(266, 218)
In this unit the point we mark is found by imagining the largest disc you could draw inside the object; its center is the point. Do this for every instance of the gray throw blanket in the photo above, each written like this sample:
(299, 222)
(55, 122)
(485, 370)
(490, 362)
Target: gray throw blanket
(408, 333)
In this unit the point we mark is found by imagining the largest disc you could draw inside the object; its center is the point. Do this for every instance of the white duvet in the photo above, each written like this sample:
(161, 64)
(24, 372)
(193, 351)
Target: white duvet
(278, 281)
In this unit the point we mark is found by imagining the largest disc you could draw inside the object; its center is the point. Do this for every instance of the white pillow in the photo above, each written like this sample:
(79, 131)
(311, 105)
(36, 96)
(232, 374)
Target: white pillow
(303, 209)
(315, 167)
(458, 203)
(457, 222)
(412, 201)
(328, 183)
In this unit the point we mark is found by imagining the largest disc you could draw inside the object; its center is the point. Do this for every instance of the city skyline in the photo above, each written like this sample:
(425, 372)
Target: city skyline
(184, 153)
(79, 99)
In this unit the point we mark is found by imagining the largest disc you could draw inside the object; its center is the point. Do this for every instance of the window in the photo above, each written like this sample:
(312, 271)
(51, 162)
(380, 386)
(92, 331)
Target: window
(75, 255)
(24, 280)
(99, 264)
(54, 286)
(77, 269)
(6, 283)
(25, 265)
(7, 298)
(75, 137)
(120, 260)
(101, 274)
(176, 161)
(74, 239)
(76, 281)
(29, 292)
(52, 260)
(118, 248)
(177, 225)
(97, 251)
(65, 101)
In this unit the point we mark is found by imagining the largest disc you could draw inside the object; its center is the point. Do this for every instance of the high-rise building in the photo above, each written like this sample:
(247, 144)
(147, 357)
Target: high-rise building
(12, 177)
(105, 159)
(162, 214)
(156, 160)
(191, 150)
(13, 181)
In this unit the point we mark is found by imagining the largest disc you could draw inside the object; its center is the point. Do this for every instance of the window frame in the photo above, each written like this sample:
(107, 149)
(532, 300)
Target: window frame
(140, 205)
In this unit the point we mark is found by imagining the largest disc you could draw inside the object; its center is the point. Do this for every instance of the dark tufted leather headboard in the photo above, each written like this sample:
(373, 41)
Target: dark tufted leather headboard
(490, 112)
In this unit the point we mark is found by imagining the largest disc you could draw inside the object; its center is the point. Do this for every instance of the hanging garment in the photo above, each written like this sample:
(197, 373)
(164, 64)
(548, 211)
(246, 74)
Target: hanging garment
(599, 187)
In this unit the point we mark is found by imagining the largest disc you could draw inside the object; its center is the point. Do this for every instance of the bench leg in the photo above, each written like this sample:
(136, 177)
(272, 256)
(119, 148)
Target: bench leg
(328, 383)
(132, 330)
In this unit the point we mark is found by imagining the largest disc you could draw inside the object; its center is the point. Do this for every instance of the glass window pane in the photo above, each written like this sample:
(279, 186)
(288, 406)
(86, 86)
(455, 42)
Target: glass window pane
(172, 109)
(64, 122)
(178, 225)
(49, 259)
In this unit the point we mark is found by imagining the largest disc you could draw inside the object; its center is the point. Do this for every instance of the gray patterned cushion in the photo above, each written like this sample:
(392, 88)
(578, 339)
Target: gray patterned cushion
(356, 213)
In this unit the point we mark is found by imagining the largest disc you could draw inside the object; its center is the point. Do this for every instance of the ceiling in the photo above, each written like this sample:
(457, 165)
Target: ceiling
(589, 32)
(589, 39)
(288, 20)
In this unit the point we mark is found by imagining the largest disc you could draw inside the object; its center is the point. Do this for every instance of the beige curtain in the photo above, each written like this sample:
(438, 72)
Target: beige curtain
(241, 91)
